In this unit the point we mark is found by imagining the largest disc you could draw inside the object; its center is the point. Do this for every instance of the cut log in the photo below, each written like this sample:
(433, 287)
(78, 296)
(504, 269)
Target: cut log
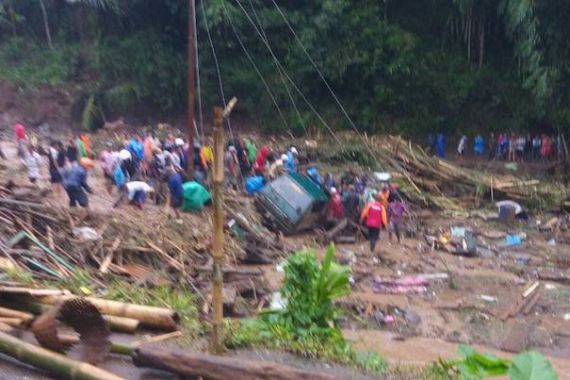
(219, 368)
(53, 363)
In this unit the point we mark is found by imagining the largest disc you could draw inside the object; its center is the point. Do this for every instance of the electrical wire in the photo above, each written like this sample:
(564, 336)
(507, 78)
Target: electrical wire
(321, 76)
(281, 76)
(287, 75)
(216, 64)
(252, 62)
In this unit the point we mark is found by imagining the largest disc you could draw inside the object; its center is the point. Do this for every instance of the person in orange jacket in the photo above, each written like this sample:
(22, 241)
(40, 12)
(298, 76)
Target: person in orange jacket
(86, 140)
(374, 214)
(384, 197)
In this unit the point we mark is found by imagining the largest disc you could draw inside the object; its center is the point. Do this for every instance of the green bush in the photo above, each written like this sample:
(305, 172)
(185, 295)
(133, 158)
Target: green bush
(307, 325)
(28, 64)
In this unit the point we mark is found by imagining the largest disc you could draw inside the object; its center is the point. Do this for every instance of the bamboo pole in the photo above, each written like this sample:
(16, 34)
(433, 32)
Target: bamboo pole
(10, 313)
(56, 364)
(216, 336)
(116, 348)
(157, 317)
(120, 324)
(218, 243)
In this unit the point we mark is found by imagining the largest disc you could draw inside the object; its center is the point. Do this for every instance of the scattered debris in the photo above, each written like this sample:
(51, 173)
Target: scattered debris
(405, 285)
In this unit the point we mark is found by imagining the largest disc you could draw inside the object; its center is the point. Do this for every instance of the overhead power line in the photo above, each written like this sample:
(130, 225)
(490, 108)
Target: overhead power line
(285, 73)
(258, 72)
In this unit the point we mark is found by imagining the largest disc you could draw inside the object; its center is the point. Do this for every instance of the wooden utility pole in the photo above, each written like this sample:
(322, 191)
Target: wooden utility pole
(218, 244)
(191, 78)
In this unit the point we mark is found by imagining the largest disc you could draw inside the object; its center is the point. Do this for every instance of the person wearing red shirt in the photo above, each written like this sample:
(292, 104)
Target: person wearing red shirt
(374, 214)
(335, 209)
(20, 134)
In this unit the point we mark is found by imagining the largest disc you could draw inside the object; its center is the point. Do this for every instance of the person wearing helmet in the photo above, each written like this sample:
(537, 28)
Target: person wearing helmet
(75, 182)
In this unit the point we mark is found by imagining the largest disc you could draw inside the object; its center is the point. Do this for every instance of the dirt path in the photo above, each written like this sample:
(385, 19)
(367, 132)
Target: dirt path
(422, 351)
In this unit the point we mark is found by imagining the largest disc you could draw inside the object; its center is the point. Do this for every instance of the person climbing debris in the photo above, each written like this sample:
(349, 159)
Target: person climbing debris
(136, 193)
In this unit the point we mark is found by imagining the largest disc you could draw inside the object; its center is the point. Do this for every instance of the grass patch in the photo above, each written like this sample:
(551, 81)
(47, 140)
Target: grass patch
(251, 333)
(178, 298)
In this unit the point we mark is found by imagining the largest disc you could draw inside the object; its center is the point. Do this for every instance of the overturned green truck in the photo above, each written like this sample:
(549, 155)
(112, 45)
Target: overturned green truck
(291, 203)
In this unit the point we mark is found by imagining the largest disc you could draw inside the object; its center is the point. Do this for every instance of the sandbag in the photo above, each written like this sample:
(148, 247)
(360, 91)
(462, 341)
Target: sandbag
(195, 196)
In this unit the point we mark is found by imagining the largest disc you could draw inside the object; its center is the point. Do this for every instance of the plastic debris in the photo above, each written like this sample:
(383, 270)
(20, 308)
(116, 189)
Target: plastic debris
(86, 234)
(487, 298)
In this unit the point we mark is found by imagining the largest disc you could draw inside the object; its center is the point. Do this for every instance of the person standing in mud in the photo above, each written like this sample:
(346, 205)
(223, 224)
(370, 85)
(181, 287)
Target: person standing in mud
(374, 215)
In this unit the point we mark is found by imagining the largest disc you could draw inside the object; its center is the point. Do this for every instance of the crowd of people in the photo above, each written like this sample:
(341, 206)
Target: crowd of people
(143, 167)
(514, 147)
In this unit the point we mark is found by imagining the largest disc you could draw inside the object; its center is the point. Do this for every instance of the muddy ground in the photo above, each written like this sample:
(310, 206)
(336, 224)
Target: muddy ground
(469, 305)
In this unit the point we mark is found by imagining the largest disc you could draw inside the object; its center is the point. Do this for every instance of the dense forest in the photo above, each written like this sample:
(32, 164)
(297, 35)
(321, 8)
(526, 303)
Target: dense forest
(407, 66)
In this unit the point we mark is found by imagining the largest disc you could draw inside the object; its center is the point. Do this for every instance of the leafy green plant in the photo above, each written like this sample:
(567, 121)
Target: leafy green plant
(477, 366)
(531, 366)
(310, 289)
(307, 325)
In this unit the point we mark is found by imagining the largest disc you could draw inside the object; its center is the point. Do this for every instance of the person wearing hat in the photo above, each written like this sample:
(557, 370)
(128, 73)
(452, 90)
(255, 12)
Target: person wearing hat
(75, 182)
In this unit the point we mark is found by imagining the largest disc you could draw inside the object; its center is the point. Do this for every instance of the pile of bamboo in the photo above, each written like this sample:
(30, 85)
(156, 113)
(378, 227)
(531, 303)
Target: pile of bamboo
(92, 321)
(48, 242)
(430, 181)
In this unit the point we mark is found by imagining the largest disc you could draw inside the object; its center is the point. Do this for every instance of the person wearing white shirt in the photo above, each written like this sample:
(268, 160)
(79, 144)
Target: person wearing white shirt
(34, 163)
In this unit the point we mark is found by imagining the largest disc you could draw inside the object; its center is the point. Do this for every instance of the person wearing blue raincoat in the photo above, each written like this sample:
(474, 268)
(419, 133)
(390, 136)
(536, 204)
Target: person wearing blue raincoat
(440, 145)
(479, 146)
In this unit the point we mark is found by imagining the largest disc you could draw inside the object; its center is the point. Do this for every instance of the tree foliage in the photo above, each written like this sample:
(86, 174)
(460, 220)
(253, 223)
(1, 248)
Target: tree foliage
(405, 66)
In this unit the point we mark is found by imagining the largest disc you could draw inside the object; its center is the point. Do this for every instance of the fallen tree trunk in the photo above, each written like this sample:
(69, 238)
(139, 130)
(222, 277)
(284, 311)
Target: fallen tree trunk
(219, 368)
(56, 364)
